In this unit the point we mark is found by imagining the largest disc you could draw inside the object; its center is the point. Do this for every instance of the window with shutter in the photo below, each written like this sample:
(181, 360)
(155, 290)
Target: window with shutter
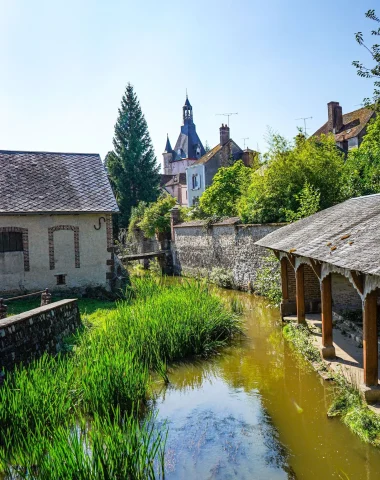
(10, 242)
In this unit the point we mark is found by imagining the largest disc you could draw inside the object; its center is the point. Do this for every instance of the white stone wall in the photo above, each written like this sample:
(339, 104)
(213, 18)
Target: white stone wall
(93, 254)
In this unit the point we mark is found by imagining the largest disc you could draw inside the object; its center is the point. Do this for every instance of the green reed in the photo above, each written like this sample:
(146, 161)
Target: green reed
(107, 371)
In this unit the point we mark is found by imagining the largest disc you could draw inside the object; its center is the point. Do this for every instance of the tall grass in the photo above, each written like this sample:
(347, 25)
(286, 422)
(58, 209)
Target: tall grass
(101, 384)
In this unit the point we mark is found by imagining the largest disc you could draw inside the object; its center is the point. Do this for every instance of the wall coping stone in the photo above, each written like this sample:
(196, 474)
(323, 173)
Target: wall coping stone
(36, 311)
(201, 223)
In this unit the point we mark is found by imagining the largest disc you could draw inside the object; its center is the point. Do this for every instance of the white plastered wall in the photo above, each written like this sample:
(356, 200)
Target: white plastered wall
(93, 254)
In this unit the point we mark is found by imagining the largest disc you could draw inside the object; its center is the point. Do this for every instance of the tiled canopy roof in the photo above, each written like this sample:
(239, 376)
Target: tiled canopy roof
(346, 235)
(353, 124)
(45, 182)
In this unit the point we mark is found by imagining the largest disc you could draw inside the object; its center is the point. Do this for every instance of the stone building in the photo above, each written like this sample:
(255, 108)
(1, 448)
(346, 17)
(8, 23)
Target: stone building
(55, 222)
(188, 149)
(349, 128)
(201, 173)
(329, 263)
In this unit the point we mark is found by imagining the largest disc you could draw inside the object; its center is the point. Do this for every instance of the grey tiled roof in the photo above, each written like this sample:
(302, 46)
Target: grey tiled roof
(346, 235)
(32, 182)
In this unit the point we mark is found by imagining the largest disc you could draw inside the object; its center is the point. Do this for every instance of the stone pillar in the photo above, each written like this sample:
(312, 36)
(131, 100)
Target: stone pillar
(3, 309)
(45, 298)
(174, 220)
(300, 294)
(328, 349)
(370, 348)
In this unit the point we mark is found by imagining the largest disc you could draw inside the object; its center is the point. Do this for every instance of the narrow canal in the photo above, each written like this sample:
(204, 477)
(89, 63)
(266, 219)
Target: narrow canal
(257, 411)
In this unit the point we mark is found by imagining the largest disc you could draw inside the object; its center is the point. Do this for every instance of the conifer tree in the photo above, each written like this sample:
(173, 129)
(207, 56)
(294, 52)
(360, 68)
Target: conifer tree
(132, 165)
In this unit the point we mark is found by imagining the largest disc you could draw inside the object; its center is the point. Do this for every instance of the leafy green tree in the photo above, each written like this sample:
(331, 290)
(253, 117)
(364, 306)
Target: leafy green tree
(132, 166)
(362, 168)
(309, 200)
(156, 217)
(275, 189)
(374, 70)
(221, 197)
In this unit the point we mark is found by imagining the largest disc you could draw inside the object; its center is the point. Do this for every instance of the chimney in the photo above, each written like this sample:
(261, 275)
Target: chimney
(335, 117)
(224, 134)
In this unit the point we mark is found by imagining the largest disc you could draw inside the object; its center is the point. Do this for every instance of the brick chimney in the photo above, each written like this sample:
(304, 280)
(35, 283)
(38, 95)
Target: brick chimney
(224, 134)
(335, 117)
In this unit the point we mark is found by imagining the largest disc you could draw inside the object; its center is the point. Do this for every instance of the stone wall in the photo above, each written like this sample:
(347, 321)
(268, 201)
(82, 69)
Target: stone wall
(30, 334)
(227, 245)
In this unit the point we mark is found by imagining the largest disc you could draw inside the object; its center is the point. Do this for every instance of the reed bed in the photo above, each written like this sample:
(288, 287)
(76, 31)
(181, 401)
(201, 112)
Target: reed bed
(78, 415)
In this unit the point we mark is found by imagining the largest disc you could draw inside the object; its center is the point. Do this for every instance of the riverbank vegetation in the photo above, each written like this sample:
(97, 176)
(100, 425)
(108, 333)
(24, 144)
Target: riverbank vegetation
(347, 403)
(79, 415)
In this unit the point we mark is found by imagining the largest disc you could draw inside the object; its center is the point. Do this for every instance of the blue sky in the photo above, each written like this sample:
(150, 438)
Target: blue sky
(65, 65)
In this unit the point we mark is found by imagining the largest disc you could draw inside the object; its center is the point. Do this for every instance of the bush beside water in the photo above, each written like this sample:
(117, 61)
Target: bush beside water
(56, 410)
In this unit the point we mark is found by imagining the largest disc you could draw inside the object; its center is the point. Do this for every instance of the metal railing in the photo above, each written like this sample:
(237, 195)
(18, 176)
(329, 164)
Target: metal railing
(45, 300)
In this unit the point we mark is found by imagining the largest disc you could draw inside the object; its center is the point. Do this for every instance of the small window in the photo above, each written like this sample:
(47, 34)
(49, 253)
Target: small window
(196, 181)
(10, 242)
(61, 279)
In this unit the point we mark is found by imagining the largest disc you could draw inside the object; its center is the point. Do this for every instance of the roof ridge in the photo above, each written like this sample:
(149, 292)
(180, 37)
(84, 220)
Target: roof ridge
(44, 151)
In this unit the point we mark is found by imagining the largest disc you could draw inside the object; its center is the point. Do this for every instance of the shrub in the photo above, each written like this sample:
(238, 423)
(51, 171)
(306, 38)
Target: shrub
(156, 218)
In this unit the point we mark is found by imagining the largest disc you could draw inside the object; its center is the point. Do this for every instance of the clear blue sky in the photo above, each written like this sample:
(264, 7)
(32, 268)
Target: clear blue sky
(65, 65)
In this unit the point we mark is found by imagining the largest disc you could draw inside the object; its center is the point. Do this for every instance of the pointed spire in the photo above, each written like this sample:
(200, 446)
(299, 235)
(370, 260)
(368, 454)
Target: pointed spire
(168, 147)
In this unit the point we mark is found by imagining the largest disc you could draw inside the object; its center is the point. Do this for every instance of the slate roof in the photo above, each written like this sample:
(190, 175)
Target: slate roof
(47, 182)
(186, 142)
(353, 124)
(168, 147)
(346, 235)
(177, 179)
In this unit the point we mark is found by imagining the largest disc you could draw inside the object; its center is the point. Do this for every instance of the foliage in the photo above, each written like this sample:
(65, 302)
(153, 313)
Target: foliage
(156, 218)
(300, 336)
(275, 190)
(268, 279)
(373, 71)
(82, 408)
(137, 214)
(362, 168)
(221, 197)
(309, 199)
(207, 147)
(132, 166)
(222, 277)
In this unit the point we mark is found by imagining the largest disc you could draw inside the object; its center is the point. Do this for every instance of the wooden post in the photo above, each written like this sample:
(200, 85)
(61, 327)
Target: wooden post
(328, 350)
(300, 294)
(370, 359)
(284, 279)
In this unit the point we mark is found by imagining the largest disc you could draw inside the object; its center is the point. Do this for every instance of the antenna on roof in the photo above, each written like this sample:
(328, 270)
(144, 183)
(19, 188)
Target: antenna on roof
(227, 115)
(244, 139)
(304, 122)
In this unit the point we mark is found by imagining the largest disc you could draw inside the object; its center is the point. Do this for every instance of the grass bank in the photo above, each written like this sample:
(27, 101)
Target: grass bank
(348, 403)
(58, 409)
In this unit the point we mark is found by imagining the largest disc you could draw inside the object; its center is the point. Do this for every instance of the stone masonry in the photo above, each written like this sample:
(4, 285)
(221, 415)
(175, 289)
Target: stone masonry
(30, 334)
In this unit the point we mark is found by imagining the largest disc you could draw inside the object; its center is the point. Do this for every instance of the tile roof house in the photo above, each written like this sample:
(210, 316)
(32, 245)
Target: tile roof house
(349, 128)
(187, 150)
(201, 173)
(55, 222)
(332, 256)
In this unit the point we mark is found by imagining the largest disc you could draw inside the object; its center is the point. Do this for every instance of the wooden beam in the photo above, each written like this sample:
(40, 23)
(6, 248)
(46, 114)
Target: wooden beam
(292, 260)
(284, 279)
(300, 294)
(328, 350)
(358, 279)
(317, 267)
(370, 347)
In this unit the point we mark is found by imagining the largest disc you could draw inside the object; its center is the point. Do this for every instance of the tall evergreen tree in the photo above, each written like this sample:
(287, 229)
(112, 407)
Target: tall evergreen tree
(132, 165)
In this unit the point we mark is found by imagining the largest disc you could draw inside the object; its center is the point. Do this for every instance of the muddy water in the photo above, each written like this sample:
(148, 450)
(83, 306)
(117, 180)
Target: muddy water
(257, 411)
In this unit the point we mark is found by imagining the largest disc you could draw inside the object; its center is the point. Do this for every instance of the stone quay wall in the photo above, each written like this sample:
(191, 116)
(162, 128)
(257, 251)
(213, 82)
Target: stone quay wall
(28, 335)
(198, 249)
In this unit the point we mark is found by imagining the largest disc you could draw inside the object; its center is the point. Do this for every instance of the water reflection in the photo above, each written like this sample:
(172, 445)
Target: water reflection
(257, 411)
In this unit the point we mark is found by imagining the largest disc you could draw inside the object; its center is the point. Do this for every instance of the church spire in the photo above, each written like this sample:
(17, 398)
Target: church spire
(168, 147)
(187, 111)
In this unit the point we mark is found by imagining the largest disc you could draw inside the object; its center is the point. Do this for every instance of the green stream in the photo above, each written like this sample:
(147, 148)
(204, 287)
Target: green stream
(257, 411)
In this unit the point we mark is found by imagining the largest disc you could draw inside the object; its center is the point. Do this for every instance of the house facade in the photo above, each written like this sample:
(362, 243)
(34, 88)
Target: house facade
(55, 222)
(187, 150)
(348, 129)
(200, 175)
